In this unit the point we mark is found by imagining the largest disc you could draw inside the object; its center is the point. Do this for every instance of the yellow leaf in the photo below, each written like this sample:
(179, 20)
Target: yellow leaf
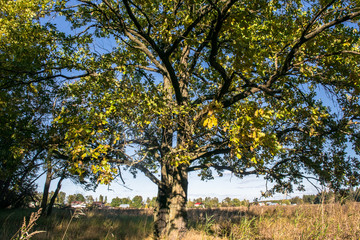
(210, 122)
(206, 122)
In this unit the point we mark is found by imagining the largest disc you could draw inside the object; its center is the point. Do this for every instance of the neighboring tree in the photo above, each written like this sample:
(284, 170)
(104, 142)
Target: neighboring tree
(226, 202)
(190, 204)
(75, 197)
(137, 202)
(296, 200)
(245, 203)
(125, 201)
(60, 199)
(235, 202)
(211, 202)
(71, 198)
(101, 198)
(33, 58)
(89, 199)
(198, 200)
(309, 199)
(241, 86)
(115, 202)
(151, 203)
(25, 96)
(79, 197)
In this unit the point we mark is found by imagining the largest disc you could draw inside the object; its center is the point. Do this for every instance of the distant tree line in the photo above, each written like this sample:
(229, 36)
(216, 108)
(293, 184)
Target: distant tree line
(135, 202)
(325, 197)
(214, 202)
(352, 195)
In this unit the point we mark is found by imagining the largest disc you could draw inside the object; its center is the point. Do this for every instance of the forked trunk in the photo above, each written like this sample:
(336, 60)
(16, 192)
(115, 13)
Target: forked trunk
(52, 201)
(170, 216)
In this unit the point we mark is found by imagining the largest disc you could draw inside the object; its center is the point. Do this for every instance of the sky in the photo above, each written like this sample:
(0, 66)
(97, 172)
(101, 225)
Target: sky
(221, 187)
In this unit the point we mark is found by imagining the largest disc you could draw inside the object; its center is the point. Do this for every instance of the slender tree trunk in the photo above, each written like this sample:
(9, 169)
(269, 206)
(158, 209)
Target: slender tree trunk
(46, 189)
(170, 215)
(52, 201)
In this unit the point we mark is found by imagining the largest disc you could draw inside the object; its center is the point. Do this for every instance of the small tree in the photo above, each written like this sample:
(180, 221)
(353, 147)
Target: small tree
(125, 201)
(226, 202)
(137, 202)
(115, 202)
(235, 202)
(89, 199)
(101, 198)
(151, 203)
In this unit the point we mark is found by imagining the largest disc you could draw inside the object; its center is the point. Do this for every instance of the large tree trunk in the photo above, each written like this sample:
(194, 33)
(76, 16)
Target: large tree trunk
(170, 216)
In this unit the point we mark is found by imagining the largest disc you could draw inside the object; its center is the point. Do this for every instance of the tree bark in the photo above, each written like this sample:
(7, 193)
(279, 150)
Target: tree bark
(46, 189)
(52, 201)
(170, 217)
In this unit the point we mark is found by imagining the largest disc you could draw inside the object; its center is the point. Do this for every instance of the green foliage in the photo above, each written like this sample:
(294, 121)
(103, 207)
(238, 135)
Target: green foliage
(115, 202)
(151, 203)
(101, 198)
(237, 86)
(137, 202)
(89, 199)
(75, 197)
(25, 103)
(60, 198)
(329, 197)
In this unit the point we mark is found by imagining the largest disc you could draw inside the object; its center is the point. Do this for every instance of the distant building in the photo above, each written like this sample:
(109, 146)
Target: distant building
(198, 204)
(78, 204)
(271, 204)
(124, 205)
(98, 204)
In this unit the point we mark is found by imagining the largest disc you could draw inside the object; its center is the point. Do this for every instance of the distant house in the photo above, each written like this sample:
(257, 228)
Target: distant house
(124, 205)
(98, 204)
(199, 204)
(271, 204)
(78, 204)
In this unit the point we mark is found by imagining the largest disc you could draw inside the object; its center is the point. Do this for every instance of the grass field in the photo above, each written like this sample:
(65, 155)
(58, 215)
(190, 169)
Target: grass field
(332, 221)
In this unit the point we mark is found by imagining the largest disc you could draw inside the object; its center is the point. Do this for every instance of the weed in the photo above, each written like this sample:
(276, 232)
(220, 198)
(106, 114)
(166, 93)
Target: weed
(24, 232)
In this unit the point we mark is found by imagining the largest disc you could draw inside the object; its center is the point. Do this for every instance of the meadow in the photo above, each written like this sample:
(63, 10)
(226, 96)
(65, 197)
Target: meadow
(324, 221)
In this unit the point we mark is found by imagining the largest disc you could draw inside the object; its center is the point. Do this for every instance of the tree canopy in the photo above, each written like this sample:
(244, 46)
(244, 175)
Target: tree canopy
(34, 58)
(227, 85)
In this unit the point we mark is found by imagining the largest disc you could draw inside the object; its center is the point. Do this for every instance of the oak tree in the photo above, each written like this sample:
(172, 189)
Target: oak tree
(253, 87)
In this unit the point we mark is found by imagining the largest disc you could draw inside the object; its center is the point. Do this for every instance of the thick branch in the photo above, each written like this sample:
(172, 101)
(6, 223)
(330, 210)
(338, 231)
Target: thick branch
(170, 72)
(221, 168)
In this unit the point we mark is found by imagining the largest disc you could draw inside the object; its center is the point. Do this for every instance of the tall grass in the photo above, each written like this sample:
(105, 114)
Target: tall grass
(331, 221)
(95, 224)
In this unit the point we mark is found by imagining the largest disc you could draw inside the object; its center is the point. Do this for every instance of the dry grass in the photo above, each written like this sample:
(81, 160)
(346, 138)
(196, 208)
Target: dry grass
(25, 231)
(331, 221)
